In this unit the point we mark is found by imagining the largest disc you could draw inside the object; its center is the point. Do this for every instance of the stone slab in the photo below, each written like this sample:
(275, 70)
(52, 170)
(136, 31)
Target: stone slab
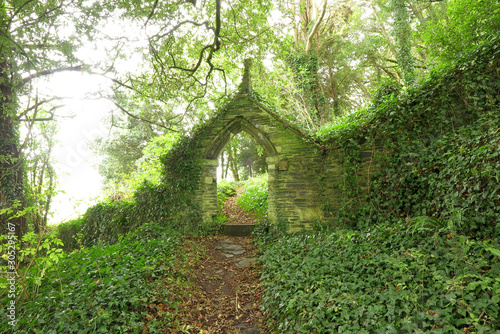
(237, 230)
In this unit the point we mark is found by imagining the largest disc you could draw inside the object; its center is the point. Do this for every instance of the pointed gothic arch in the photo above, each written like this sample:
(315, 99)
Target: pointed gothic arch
(234, 127)
(305, 179)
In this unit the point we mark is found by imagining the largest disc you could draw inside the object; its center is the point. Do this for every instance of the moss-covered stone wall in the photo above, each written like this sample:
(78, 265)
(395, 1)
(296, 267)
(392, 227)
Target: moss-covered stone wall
(306, 181)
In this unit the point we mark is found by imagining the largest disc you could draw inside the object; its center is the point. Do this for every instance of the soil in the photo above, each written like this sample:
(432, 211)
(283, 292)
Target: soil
(225, 281)
(234, 213)
(227, 288)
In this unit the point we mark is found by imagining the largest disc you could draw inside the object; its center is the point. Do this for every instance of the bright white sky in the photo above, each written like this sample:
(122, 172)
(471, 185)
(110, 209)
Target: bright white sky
(78, 179)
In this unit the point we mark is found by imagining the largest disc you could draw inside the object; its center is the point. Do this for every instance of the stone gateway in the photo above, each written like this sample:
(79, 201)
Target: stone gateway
(303, 176)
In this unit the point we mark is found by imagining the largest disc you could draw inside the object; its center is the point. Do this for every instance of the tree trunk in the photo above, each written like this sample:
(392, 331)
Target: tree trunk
(232, 163)
(12, 197)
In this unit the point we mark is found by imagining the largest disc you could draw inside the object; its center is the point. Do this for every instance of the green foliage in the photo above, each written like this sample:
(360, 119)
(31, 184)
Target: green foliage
(109, 289)
(169, 202)
(402, 32)
(68, 232)
(254, 196)
(102, 224)
(35, 257)
(131, 154)
(389, 279)
(149, 166)
(221, 217)
(465, 26)
(227, 188)
(106, 222)
(440, 148)
(40, 175)
(172, 201)
(455, 176)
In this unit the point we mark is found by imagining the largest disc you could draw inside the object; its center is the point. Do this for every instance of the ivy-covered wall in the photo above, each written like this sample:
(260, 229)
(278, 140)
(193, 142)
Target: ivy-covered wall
(293, 162)
(431, 151)
(394, 160)
(435, 149)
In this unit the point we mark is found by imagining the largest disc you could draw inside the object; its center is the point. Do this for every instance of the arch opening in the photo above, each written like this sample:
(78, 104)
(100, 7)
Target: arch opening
(212, 156)
(233, 128)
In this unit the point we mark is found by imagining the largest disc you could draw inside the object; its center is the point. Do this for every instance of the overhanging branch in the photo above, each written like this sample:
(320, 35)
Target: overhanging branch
(142, 119)
(48, 72)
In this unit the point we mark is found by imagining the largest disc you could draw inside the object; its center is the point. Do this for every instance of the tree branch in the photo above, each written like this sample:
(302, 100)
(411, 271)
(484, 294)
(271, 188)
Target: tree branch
(151, 13)
(142, 119)
(47, 72)
(315, 27)
(41, 119)
(35, 106)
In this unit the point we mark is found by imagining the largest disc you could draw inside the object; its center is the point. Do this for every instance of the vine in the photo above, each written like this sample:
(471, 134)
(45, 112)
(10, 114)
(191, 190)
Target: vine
(439, 148)
(402, 32)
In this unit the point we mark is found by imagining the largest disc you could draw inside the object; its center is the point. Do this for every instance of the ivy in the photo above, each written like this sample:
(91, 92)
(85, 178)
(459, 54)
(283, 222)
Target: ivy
(438, 148)
(402, 32)
(139, 281)
(387, 279)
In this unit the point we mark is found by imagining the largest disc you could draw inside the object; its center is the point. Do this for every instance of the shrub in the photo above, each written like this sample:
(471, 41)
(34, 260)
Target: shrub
(68, 232)
(105, 289)
(228, 188)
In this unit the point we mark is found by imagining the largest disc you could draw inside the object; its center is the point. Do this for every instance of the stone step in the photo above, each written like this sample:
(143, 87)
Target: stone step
(237, 230)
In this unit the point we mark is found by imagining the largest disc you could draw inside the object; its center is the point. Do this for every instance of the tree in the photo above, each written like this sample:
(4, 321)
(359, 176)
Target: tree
(32, 45)
(41, 178)
(463, 25)
(194, 50)
(193, 60)
(319, 34)
(244, 157)
(402, 32)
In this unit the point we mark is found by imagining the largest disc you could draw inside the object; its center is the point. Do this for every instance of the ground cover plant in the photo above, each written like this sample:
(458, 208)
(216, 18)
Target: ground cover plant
(421, 252)
(225, 189)
(254, 196)
(137, 282)
(405, 278)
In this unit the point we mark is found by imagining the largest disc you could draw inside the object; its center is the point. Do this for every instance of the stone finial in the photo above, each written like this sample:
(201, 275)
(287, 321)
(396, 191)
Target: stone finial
(246, 83)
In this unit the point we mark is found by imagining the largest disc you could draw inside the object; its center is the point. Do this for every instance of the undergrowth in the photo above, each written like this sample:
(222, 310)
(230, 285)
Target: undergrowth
(225, 189)
(387, 279)
(136, 283)
(420, 251)
(254, 196)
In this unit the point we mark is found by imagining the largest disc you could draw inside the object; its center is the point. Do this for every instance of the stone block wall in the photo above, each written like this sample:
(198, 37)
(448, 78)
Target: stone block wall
(338, 193)
(306, 181)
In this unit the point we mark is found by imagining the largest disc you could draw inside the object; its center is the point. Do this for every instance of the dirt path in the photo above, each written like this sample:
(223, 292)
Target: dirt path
(226, 281)
(224, 292)
(234, 212)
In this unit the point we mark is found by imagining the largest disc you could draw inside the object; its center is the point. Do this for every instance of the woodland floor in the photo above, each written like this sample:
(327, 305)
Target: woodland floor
(233, 211)
(226, 283)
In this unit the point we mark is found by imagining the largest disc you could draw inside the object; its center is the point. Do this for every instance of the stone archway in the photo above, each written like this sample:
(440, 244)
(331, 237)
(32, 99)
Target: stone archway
(233, 127)
(306, 181)
(294, 160)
